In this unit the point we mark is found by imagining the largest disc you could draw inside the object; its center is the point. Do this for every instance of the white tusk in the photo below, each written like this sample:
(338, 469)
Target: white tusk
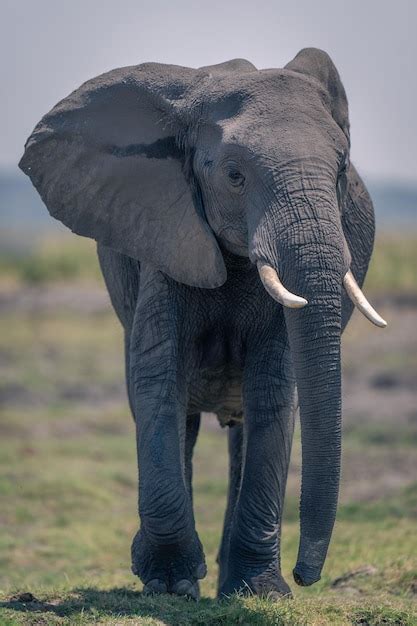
(276, 289)
(355, 294)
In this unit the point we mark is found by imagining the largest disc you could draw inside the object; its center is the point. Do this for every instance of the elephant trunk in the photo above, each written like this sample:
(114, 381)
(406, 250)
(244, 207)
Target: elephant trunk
(308, 255)
(314, 336)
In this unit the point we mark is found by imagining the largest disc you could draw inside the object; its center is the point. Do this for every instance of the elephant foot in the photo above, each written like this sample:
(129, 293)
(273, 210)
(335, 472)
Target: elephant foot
(264, 581)
(169, 568)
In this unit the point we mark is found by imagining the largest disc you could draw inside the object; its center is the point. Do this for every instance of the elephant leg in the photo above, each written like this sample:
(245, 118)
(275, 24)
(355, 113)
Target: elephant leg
(166, 552)
(235, 445)
(192, 429)
(253, 564)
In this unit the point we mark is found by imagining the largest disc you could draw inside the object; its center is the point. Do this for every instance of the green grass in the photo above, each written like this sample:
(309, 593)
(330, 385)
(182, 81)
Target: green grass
(57, 356)
(393, 265)
(55, 258)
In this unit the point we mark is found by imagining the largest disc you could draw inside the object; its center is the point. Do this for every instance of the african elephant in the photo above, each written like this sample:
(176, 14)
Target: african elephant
(207, 191)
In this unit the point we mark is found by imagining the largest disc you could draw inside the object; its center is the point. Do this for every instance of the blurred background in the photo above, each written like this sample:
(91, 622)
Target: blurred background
(67, 448)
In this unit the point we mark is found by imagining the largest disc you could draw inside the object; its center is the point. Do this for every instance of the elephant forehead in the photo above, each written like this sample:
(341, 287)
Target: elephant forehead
(259, 106)
(263, 90)
(283, 133)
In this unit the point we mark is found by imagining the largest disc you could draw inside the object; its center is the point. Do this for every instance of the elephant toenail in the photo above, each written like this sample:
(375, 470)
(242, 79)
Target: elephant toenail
(186, 588)
(154, 586)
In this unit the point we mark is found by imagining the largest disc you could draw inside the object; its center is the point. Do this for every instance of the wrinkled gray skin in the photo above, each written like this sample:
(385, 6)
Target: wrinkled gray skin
(186, 178)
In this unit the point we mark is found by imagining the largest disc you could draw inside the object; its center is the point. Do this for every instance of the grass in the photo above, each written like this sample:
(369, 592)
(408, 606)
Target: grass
(53, 258)
(60, 258)
(393, 265)
(55, 357)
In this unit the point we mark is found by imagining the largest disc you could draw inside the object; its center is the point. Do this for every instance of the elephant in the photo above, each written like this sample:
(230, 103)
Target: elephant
(234, 235)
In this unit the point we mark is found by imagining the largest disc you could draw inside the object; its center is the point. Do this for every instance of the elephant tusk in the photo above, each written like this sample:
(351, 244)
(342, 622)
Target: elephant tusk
(355, 294)
(276, 289)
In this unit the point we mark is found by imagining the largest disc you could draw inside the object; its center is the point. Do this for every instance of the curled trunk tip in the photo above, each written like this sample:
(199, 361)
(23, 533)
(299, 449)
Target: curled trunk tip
(305, 576)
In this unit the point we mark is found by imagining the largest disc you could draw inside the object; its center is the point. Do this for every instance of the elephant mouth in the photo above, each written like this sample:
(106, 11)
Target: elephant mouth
(276, 290)
(232, 241)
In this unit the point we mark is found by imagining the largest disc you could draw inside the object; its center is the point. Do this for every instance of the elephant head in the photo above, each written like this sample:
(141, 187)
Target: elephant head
(169, 165)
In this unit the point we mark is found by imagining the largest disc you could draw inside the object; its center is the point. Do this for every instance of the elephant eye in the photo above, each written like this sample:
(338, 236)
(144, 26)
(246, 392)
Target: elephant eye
(236, 178)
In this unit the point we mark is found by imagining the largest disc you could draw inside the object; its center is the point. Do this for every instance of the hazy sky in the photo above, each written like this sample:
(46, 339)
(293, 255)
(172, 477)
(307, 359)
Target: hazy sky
(49, 47)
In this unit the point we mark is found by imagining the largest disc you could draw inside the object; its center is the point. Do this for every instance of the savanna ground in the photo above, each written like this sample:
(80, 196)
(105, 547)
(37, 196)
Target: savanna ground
(68, 466)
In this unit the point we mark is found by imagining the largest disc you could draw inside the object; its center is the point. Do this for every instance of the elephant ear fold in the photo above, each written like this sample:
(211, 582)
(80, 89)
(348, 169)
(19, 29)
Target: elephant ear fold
(317, 64)
(107, 164)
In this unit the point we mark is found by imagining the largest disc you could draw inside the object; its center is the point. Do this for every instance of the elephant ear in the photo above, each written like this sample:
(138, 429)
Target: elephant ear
(107, 163)
(317, 64)
(358, 221)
